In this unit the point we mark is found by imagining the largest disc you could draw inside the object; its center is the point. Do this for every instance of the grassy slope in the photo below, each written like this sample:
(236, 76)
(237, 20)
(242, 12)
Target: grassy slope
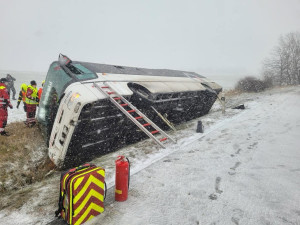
(23, 158)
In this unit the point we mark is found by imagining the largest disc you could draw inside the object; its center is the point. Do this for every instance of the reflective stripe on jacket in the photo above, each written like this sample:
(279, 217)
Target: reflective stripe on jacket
(31, 95)
(2, 102)
(4, 98)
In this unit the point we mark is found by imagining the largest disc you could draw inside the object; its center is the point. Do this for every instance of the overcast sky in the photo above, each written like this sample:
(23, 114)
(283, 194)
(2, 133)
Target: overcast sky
(209, 37)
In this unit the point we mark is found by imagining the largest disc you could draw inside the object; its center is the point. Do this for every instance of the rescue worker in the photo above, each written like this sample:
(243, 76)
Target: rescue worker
(40, 91)
(10, 85)
(22, 96)
(4, 102)
(32, 101)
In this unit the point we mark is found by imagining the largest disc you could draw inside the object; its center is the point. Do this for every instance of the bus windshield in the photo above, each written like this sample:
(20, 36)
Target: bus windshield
(53, 88)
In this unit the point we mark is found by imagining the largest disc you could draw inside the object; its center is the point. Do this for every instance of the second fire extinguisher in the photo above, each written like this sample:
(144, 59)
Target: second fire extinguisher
(122, 178)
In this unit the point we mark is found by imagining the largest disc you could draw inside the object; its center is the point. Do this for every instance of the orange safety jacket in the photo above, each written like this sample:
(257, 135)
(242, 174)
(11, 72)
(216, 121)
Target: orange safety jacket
(22, 94)
(40, 91)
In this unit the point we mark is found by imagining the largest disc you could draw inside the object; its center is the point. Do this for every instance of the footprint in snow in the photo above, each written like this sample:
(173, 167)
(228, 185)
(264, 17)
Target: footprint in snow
(237, 216)
(167, 160)
(238, 151)
(237, 164)
(213, 196)
(217, 185)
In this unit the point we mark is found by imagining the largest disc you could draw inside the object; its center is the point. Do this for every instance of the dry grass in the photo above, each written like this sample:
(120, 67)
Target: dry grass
(24, 158)
(232, 92)
(20, 143)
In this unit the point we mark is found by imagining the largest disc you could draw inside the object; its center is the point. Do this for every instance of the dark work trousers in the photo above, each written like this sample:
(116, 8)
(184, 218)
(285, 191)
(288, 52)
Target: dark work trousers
(11, 88)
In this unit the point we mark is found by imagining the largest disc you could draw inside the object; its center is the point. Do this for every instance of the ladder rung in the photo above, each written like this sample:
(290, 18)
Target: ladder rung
(163, 139)
(119, 101)
(154, 132)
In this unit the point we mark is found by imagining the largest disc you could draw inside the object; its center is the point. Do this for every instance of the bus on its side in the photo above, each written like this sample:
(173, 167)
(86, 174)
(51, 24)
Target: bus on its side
(79, 122)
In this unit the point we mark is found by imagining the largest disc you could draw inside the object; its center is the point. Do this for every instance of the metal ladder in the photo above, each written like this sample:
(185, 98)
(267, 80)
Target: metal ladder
(120, 102)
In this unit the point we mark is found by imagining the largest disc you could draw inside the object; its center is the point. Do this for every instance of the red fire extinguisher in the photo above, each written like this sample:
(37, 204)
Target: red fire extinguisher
(122, 178)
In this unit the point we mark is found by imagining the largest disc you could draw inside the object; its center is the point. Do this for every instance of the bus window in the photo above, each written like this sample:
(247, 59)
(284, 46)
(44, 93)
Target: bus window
(80, 72)
(53, 88)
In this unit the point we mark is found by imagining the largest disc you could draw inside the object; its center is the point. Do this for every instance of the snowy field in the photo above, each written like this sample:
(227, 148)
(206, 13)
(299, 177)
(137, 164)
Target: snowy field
(244, 169)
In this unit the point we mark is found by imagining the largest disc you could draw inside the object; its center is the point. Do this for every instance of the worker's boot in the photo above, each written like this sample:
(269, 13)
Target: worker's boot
(4, 133)
(31, 124)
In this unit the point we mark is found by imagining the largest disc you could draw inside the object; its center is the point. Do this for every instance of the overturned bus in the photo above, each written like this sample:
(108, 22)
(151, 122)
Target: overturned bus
(90, 109)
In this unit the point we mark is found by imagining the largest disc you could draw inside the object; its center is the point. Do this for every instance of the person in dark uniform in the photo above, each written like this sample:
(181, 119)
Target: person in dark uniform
(10, 85)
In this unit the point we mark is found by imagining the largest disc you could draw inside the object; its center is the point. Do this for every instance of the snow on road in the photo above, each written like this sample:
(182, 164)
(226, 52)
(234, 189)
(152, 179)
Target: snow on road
(246, 172)
(244, 169)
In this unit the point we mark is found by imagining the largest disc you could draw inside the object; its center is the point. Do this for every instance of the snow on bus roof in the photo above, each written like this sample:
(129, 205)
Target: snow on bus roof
(105, 68)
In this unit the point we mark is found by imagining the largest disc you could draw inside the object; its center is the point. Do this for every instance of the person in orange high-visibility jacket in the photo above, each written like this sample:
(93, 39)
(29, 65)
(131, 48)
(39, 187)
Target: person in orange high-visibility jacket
(4, 102)
(32, 101)
(40, 91)
(22, 96)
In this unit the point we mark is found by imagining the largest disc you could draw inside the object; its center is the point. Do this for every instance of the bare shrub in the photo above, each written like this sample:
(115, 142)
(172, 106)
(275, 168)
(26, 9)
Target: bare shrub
(250, 84)
(283, 65)
(232, 92)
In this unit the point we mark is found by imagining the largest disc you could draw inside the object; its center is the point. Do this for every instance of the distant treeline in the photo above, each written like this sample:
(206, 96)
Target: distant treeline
(281, 68)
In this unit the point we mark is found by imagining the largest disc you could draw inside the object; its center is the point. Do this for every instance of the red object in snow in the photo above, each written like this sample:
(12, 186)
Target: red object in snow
(122, 178)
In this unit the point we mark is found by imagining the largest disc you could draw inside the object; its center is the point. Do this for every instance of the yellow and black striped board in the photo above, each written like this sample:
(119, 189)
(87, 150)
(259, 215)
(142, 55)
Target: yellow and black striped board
(82, 189)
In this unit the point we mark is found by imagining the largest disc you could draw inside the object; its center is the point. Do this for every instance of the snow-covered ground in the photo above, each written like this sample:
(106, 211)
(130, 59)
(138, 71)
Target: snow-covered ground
(244, 169)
